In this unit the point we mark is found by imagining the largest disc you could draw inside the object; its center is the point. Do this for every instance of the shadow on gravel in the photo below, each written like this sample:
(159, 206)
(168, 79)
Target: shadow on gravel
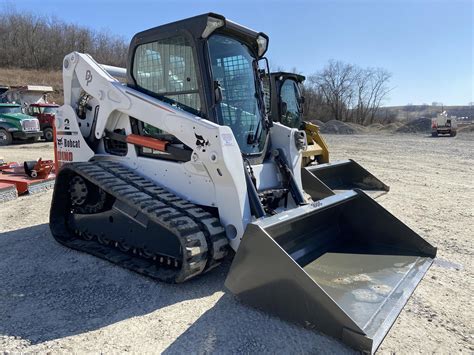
(232, 327)
(49, 292)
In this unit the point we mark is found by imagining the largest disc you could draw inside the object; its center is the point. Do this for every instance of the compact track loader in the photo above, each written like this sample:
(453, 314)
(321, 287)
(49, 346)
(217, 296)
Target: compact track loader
(287, 108)
(167, 172)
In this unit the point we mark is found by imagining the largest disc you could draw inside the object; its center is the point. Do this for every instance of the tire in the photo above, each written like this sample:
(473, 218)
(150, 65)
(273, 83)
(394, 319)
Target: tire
(48, 134)
(453, 133)
(434, 134)
(5, 137)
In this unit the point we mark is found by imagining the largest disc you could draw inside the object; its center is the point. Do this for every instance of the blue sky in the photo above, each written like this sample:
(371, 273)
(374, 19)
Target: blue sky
(426, 45)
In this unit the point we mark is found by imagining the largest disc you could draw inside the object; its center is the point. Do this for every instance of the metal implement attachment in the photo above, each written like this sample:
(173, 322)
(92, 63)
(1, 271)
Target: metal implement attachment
(343, 265)
(347, 175)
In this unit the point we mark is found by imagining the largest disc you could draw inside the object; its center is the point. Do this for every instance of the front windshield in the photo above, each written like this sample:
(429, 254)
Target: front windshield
(290, 97)
(240, 108)
(10, 109)
(50, 110)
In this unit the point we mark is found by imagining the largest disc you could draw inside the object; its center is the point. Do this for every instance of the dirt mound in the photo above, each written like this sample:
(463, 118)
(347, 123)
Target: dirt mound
(391, 127)
(337, 127)
(466, 129)
(318, 123)
(419, 125)
(375, 126)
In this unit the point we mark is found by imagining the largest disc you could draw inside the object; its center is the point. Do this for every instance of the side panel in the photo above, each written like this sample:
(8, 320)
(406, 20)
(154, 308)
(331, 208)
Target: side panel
(70, 144)
(214, 147)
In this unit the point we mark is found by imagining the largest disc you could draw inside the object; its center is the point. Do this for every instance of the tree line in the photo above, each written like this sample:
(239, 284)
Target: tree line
(40, 42)
(339, 91)
(346, 92)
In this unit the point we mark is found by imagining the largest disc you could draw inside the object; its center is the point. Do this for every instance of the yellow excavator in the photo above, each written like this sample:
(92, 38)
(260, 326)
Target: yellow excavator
(286, 107)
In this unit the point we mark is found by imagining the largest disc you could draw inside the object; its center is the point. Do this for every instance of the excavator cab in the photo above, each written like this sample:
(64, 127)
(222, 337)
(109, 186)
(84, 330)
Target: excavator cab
(163, 174)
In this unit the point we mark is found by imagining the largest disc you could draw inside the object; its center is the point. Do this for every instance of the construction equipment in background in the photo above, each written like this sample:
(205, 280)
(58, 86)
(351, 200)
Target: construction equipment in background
(444, 124)
(7, 191)
(287, 108)
(45, 113)
(14, 124)
(33, 100)
(162, 174)
(31, 177)
(26, 95)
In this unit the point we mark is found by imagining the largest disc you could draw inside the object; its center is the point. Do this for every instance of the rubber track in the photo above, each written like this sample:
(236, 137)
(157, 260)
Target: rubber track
(200, 234)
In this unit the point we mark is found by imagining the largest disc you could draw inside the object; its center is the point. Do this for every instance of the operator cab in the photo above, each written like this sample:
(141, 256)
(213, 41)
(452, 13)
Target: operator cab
(208, 66)
(287, 101)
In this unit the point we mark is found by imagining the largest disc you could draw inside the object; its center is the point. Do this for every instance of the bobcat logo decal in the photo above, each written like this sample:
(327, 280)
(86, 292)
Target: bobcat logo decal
(201, 142)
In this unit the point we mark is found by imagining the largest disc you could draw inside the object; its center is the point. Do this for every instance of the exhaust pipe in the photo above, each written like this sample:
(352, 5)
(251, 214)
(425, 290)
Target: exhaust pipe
(343, 265)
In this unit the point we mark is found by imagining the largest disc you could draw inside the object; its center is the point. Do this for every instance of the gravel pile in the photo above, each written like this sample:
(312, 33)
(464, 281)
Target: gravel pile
(419, 125)
(337, 127)
(391, 127)
(466, 129)
(318, 123)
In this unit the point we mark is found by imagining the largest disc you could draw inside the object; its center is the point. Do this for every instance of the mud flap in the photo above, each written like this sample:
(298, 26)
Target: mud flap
(348, 175)
(343, 265)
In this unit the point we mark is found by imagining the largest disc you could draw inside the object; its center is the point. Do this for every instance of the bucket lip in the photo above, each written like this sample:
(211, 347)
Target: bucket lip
(301, 211)
(330, 164)
(418, 271)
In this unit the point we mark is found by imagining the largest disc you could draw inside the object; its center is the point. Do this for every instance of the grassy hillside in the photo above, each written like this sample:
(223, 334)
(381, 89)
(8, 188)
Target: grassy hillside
(11, 77)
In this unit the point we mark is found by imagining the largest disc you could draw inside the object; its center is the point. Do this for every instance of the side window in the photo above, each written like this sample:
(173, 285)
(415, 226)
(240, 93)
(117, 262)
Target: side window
(33, 110)
(166, 68)
(289, 95)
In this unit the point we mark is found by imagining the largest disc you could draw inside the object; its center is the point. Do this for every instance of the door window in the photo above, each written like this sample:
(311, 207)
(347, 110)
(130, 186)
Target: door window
(167, 68)
(290, 95)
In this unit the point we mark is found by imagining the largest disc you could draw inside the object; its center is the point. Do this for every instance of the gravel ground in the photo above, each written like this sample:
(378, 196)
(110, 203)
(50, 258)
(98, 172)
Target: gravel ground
(55, 299)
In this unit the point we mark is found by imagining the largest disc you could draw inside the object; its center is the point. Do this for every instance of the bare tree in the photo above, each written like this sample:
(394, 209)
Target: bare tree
(350, 92)
(335, 83)
(40, 42)
(378, 91)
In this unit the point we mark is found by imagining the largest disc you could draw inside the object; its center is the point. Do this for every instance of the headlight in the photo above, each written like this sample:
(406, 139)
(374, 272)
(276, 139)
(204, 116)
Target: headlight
(262, 43)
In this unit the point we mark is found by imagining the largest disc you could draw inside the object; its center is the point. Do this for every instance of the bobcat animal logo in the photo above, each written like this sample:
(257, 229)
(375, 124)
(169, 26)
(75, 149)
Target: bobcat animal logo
(88, 77)
(201, 142)
(60, 142)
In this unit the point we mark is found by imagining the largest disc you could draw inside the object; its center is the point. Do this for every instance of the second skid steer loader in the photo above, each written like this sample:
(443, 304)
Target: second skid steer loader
(162, 174)
(287, 108)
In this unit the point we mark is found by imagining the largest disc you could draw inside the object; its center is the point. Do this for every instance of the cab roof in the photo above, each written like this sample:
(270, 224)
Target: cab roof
(298, 77)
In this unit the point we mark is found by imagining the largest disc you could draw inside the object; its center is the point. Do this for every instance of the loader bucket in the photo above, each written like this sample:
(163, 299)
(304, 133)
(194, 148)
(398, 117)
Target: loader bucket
(343, 265)
(348, 175)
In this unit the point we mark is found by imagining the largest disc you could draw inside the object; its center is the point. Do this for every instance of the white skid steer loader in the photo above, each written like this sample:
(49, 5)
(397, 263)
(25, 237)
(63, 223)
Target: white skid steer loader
(162, 174)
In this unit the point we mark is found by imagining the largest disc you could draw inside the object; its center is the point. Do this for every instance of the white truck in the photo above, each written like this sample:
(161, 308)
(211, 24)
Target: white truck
(443, 124)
